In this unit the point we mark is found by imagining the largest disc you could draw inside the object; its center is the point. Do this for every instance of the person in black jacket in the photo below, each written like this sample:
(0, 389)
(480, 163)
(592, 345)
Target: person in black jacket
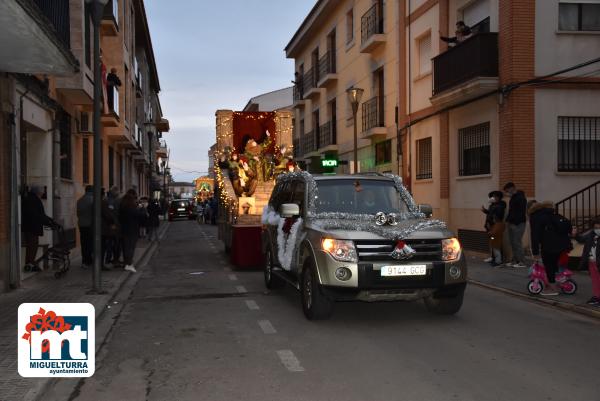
(548, 239)
(516, 223)
(33, 220)
(590, 258)
(494, 225)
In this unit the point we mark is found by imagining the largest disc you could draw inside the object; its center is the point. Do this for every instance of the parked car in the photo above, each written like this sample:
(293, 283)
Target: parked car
(359, 238)
(180, 208)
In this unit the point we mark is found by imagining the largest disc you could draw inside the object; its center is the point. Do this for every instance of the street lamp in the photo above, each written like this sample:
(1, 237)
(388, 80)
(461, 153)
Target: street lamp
(354, 96)
(97, 12)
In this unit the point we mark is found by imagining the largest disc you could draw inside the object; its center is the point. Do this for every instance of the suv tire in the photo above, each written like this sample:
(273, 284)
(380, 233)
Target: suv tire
(272, 281)
(315, 304)
(448, 305)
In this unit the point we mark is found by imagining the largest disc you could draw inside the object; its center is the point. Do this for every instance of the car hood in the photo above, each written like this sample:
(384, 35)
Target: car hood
(424, 233)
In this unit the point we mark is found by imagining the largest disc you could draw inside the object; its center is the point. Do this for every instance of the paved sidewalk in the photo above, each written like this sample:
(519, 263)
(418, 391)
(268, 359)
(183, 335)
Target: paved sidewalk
(43, 287)
(514, 281)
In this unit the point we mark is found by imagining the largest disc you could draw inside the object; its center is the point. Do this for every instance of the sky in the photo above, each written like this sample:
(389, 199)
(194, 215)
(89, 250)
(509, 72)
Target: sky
(216, 54)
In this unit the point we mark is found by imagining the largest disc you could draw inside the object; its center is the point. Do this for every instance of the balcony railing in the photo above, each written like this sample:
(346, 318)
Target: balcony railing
(327, 64)
(373, 113)
(111, 11)
(298, 90)
(475, 57)
(113, 99)
(57, 12)
(327, 134)
(371, 23)
(308, 143)
(308, 80)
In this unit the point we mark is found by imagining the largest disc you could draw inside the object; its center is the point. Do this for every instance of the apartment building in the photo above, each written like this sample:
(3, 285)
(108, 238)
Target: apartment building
(343, 44)
(498, 106)
(48, 85)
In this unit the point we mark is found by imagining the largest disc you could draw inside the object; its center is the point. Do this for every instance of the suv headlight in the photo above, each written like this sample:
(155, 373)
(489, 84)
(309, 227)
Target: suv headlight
(340, 250)
(450, 249)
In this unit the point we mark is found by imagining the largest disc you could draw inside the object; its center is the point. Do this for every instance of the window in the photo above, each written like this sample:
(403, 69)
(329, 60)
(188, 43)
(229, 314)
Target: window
(579, 144)
(66, 153)
(424, 49)
(85, 156)
(474, 150)
(126, 88)
(383, 152)
(424, 159)
(578, 17)
(476, 12)
(350, 26)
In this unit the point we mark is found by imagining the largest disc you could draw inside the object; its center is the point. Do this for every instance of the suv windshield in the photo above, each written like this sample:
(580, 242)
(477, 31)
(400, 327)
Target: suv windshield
(357, 196)
(177, 204)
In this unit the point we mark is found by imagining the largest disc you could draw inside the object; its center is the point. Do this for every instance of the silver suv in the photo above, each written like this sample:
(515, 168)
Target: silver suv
(358, 237)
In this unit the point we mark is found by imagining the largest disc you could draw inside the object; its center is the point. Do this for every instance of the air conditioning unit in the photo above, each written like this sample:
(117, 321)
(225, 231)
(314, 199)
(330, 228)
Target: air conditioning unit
(85, 122)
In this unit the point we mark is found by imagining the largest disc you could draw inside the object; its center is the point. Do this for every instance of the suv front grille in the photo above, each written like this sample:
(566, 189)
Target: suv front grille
(381, 250)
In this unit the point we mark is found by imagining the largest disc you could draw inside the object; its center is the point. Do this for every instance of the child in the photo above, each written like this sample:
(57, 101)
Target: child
(590, 258)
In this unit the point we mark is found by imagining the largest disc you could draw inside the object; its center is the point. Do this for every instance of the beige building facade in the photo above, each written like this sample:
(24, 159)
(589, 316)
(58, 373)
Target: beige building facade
(342, 44)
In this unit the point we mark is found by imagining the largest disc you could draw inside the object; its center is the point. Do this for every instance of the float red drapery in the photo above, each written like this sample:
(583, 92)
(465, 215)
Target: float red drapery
(252, 125)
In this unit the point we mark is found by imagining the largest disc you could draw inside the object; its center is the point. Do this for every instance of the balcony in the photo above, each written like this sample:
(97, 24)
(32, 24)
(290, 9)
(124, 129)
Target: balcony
(373, 118)
(371, 30)
(309, 147)
(161, 150)
(328, 137)
(297, 148)
(36, 37)
(327, 70)
(309, 82)
(298, 95)
(111, 119)
(467, 70)
(110, 19)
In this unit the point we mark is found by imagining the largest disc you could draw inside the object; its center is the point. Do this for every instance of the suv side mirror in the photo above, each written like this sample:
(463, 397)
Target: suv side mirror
(426, 209)
(289, 210)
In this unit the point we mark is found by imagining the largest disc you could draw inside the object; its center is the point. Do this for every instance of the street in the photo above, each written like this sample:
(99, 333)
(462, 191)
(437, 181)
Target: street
(194, 329)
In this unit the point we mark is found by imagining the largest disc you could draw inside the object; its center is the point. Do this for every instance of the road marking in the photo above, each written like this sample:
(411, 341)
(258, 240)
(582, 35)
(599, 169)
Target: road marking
(289, 360)
(241, 289)
(252, 305)
(232, 277)
(267, 327)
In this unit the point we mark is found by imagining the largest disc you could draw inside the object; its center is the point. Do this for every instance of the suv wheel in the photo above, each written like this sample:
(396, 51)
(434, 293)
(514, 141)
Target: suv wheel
(271, 281)
(448, 305)
(315, 304)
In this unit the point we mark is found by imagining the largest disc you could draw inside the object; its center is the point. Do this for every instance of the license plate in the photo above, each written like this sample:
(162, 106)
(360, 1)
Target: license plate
(404, 270)
(181, 209)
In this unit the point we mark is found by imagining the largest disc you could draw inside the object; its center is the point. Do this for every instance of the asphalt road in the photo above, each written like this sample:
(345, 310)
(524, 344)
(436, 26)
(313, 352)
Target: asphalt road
(194, 330)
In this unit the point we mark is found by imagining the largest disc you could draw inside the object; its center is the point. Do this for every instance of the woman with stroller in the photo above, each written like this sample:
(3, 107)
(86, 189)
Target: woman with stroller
(590, 258)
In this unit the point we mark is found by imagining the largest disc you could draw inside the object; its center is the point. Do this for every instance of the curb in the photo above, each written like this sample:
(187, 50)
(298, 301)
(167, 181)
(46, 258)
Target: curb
(37, 393)
(582, 310)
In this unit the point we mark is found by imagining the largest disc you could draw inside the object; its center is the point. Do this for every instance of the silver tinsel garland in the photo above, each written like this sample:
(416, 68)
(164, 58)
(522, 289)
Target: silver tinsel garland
(407, 222)
(365, 222)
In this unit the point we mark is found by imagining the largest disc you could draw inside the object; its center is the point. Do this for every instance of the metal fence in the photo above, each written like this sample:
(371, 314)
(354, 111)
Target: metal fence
(371, 23)
(57, 12)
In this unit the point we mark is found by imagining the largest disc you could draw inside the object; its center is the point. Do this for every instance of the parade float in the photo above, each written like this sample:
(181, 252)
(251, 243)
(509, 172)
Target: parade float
(252, 149)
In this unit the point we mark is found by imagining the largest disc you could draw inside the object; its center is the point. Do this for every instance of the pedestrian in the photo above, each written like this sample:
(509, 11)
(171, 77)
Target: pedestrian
(153, 221)
(463, 32)
(550, 237)
(214, 205)
(85, 220)
(494, 226)
(590, 258)
(113, 247)
(143, 205)
(109, 232)
(516, 222)
(33, 220)
(129, 219)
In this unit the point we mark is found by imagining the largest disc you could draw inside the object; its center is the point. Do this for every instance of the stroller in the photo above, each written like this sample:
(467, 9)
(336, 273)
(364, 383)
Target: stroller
(58, 254)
